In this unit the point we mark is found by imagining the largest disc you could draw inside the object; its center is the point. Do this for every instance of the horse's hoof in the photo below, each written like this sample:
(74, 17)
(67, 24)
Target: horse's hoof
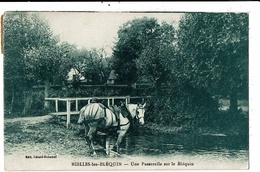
(114, 149)
(94, 154)
(107, 151)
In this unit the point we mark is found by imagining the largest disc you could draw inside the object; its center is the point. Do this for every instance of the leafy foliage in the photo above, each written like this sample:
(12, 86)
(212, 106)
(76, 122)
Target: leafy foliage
(32, 57)
(213, 51)
(24, 34)
(142, 50)
(158, 54)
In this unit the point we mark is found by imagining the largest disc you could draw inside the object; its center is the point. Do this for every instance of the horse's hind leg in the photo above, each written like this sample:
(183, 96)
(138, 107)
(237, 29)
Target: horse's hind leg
(86, 130)
(91, 132)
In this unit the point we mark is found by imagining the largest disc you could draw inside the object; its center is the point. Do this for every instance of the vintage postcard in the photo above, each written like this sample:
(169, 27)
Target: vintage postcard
(125, 90)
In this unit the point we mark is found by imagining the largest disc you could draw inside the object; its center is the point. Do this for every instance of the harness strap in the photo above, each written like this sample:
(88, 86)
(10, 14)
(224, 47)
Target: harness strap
(118, 122)
(124, 124)
(105, 112)
(121, 125)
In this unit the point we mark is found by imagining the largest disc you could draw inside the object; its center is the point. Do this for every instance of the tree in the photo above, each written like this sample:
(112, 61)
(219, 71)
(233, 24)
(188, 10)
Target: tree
(132, 38)
(96, 66)
(14, 32)
(213, 53)
(143, 50)
(157, 56)
(31, 54)
(42, 65)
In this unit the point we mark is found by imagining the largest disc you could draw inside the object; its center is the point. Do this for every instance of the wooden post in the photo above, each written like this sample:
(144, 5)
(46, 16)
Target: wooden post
(113, 101)
(56, 105)
(88, 101)
(77, 105)
(127, 100)
(108, 102)
(68, 113)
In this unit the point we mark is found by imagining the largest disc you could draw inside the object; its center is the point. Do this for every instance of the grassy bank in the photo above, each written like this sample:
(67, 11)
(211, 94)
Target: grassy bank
(221, 123)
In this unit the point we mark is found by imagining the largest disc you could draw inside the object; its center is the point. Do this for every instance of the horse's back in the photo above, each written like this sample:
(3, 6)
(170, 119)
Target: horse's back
(91, 111)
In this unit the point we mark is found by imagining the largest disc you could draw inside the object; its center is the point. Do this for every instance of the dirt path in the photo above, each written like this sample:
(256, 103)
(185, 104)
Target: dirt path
(29, 120)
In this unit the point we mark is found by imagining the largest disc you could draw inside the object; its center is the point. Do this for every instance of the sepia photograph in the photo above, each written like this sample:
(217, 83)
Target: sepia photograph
(125, 90)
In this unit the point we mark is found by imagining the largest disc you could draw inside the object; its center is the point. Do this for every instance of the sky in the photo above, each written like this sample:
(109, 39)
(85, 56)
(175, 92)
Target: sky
(96, 29)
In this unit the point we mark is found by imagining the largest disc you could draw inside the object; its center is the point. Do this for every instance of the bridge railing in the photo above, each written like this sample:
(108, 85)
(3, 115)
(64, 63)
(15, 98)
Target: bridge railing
(110, 101)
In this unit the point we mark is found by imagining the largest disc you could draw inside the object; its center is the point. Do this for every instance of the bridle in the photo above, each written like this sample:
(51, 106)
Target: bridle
(137, 113)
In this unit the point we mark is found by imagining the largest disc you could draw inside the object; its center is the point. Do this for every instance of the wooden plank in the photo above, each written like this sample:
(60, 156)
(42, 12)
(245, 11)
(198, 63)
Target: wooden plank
(108, 102)
(68, 113)
(84, 98)
(113, 101)
(64, 113)
(128, 99)
(51, 99)
(57, 105)
(77, 105)
(89, 98)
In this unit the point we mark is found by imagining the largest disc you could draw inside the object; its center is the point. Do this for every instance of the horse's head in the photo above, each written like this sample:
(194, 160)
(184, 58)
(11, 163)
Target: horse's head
(140, 110)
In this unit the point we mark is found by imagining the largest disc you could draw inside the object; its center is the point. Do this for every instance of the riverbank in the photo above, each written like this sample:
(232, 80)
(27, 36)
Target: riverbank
(222, 124)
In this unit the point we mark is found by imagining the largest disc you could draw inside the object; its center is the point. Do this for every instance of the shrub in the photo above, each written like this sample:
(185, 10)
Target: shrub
(183, 106)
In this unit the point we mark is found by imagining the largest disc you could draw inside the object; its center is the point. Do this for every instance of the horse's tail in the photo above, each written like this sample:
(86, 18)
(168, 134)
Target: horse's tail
(82, 115)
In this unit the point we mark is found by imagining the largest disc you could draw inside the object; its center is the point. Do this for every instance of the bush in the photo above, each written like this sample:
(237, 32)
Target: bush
(183, 106)
(231, 123)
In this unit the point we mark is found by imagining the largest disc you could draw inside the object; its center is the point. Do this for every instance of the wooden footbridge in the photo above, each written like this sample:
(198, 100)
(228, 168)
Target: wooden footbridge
(110, 101)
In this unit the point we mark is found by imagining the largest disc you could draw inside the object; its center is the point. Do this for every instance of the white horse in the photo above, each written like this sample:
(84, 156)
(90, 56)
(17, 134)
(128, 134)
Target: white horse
(99, 118)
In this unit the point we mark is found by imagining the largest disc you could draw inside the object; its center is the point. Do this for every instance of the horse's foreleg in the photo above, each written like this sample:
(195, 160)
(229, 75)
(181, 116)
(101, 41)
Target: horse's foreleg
(119, 139)
(107, 145)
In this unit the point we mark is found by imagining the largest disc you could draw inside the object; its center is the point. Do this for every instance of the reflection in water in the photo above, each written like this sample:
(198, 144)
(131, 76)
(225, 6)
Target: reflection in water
(220, 146)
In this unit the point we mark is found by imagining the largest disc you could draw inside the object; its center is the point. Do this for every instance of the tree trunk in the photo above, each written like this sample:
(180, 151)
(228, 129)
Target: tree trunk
(28, 102)
(46, 93)
(233, 101)
(12, 101)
